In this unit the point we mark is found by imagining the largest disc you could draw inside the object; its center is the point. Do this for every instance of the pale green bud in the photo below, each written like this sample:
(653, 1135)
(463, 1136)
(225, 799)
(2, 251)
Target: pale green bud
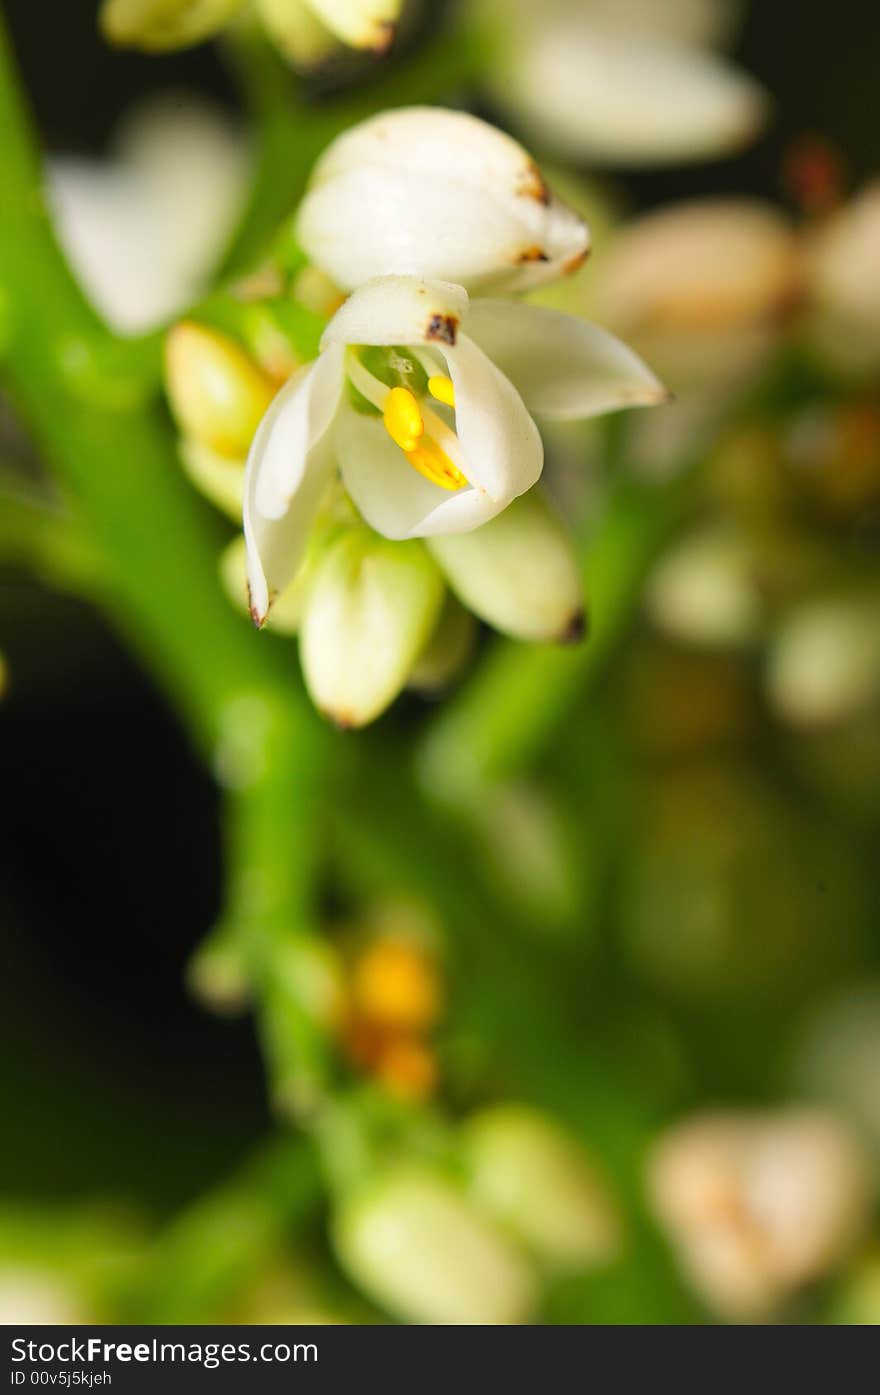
(518, 572)
(218, 393)
(219, 477)
(536, 1181)
(370, 609)
(421, 1249)
(447, 651)
(157, 25)
(298, 33)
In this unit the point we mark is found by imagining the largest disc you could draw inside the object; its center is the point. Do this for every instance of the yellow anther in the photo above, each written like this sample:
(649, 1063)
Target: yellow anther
(440, 387)
(402, 418)
(435, 465)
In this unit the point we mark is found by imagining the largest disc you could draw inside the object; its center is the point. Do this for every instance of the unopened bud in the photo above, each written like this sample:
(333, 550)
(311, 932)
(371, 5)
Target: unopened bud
(536, 1181)
(218, 394)
(423, 1250)
(447, 651)
(219, 477)
(391, 196)
(370, 609)
(518, 572)
(157, 25)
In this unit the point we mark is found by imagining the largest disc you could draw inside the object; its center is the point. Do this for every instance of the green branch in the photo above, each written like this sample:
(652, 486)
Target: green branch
(86, 399)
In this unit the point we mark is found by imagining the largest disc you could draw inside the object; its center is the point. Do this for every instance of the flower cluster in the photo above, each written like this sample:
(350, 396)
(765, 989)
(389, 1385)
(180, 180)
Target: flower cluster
(401, 464)
(304, 30)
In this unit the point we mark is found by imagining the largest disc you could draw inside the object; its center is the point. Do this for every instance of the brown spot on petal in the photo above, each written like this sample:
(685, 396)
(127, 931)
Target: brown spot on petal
(258, 620)
(576, 629)
(443, 328)
(532, 254)
(533, 185)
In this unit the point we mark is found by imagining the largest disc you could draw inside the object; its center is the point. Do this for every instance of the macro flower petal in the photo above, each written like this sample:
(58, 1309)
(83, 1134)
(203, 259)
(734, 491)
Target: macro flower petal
(435, 193)
(399, 310)
(565, 368)
(296, 420)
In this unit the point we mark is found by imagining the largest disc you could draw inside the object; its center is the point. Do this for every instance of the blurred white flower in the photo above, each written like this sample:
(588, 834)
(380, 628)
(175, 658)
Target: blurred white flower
(302, 28)
(424, 1250)
(423, 191)
(542, 1187)
(705, 590)
(36, 1296)
(758, 1205)
(626, 83)
(844, 285)
(824, 663)
(143, 229)
(424, 399)
(701, 284)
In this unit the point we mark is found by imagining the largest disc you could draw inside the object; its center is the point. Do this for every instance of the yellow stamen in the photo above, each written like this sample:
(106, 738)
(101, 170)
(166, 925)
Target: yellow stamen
(402, 418)
(440, 387)
(435, 465)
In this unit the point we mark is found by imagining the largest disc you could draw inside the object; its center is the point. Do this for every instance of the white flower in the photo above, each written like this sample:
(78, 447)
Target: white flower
(143, 229)
(624, 81)
(427, 192)
(759, 1205)
(168, 24)
(424, 399)
(844, 286)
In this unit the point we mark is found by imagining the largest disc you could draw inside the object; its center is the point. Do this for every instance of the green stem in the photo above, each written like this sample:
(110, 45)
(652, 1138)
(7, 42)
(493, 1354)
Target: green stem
(512, 707)
(157, 546)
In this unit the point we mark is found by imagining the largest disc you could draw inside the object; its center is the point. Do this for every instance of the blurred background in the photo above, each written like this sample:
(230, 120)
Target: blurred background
(693, 856)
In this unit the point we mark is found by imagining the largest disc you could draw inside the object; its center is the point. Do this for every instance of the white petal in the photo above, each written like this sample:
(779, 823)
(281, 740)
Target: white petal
(629, 100)
(359, 23)
(564, 367)
(393, 497)
(519, 573)
(399, 310)
(295, 422)
(276, 546)
(502, 447)
(435, 193)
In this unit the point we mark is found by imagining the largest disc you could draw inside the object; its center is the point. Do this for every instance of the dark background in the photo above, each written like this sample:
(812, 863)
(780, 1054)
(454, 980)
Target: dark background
(109, 860)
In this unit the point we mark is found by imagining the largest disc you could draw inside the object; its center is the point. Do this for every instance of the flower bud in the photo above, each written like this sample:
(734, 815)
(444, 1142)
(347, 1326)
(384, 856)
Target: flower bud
(759, 1204)
(518, 572)
(157, 25)
(437, 194)
(844, 277)
(536, 1182)
(699, 287)
(219, 477)
(447, 651)
(825, 664)
(370, 609)
(705, 592)
(296, 30)
(396, 984)
(424, 1251)
(218, 394)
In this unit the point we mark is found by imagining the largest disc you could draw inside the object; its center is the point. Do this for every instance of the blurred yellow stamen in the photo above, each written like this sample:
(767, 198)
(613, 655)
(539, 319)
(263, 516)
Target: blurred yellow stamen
(435, 465)
(440, 387)
(402, 418)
